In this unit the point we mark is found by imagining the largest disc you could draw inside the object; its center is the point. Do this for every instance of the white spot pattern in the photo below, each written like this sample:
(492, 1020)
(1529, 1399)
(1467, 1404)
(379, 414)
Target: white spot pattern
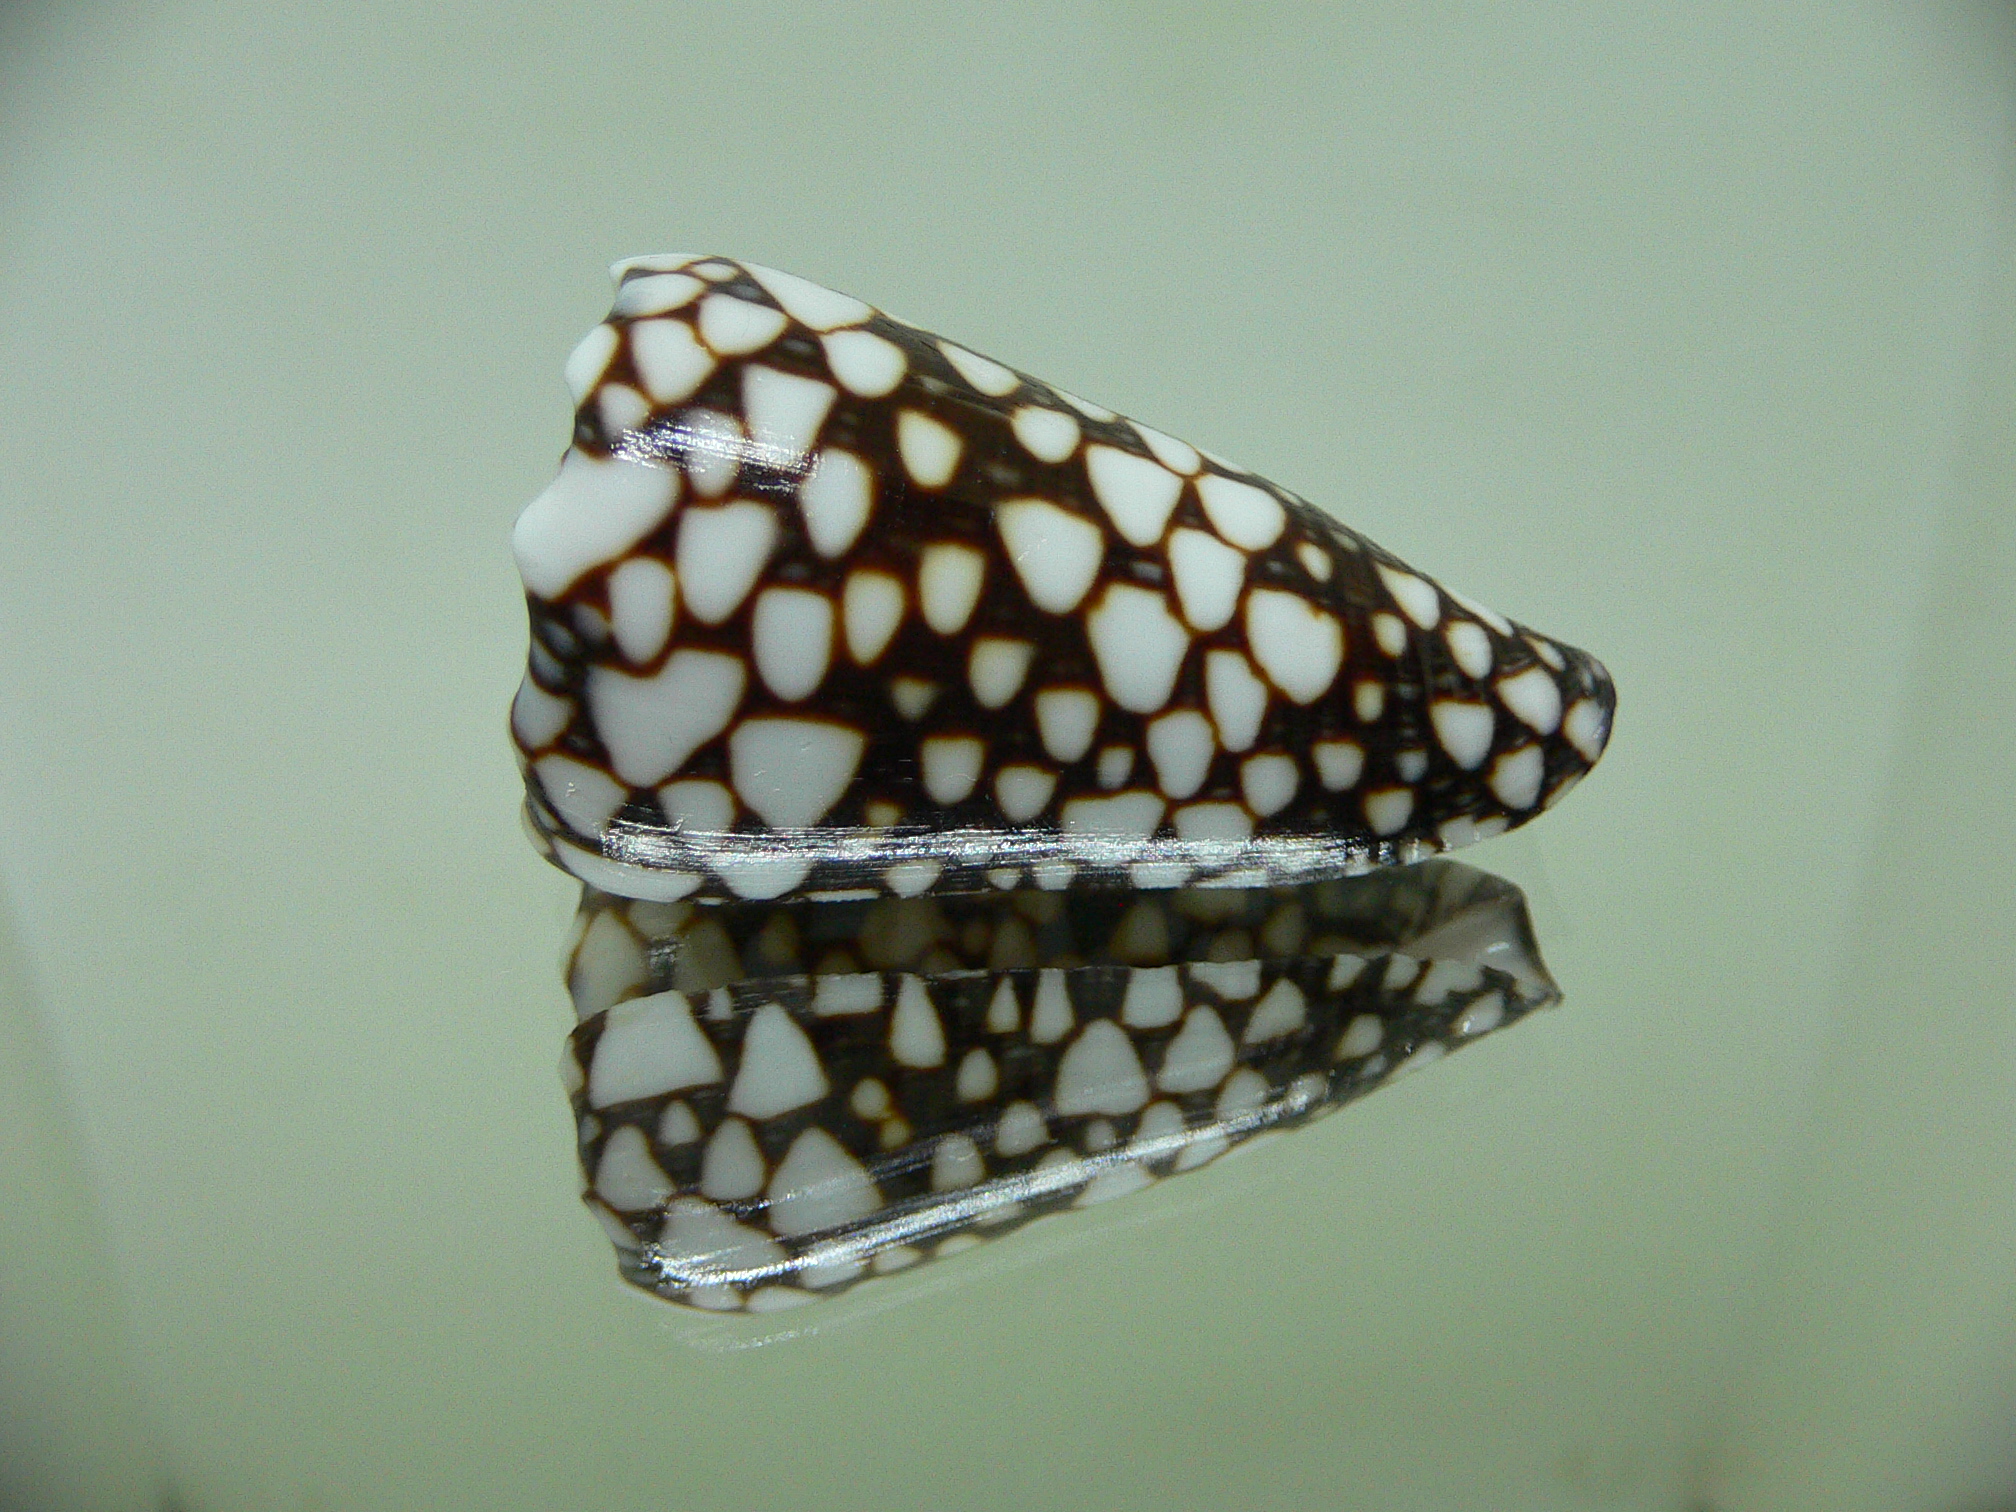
(1269, 782)
(1177, 456)
(650, 725)
(791, 771)
(1181, 745)
(1534, 699)
(780, 1070)
(650, 1046)
(655, 296)
(871, 605)
(665, 613)
(930, 450)
(1208, 575)
(697, 805)
(1154, 998)
(956, 1164)
(1222, 822)
(1100, 1073)
(836, 499)
(818, 1185)
(791, 635)
(708, 1240)
(951, 766)
(538, 717)
(1339, 763)
(1237, 697)
(1282, 1011)
(1139, 645)
(1388, 809)
(735, 327)
(948, 585)
(1298, 646)
(784, 410)
(1199, 1056)
(1470, 647)
(1023, 791)
(1046, 434)
(978, 1079)
(1050, 1017)
(809, 303)
(589, 360)
(1021, 1129)
(1516, 777)
(916, 1035)
(1586, 727)
(1066, 718)
(721, 552)
(1417, 599)
(1116, 765)
(1246, 515)
(641, 607)
(1465, 729)
(622, 408)
(868, 366)
(1138, 494)
(1055, 552)
(715, 446)
(670, 361)
(985, 374)
(1131, 815)
(995, 668)
(593, 511)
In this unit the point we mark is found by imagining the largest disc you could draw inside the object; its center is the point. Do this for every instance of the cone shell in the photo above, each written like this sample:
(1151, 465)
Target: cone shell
(824, 605)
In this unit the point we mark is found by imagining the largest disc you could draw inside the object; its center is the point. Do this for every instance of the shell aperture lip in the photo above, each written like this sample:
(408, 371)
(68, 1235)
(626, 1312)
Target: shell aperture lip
(943, 521)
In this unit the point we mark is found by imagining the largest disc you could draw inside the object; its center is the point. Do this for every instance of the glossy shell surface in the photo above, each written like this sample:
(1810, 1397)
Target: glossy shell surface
(825, 605)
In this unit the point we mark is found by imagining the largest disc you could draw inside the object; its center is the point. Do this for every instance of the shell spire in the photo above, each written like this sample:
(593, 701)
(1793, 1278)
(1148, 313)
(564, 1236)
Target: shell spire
(826, 606)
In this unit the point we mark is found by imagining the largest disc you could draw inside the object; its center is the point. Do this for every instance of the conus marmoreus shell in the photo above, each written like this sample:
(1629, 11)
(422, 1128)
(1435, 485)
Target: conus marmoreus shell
(980, 798)
(824, 605)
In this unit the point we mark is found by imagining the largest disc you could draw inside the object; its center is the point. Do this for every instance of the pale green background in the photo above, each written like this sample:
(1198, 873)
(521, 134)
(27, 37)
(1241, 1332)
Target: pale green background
(1687, 333)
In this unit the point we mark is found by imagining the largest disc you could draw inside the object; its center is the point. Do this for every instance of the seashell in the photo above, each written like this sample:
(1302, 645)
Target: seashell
(776, 1100)
(985, 805)
(826, 606)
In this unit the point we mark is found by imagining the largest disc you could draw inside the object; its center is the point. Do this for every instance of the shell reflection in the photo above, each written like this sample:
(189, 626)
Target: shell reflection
(775, 1101)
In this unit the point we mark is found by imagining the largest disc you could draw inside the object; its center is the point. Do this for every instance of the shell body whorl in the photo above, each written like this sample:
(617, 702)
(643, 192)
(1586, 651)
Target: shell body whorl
(824, 605)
